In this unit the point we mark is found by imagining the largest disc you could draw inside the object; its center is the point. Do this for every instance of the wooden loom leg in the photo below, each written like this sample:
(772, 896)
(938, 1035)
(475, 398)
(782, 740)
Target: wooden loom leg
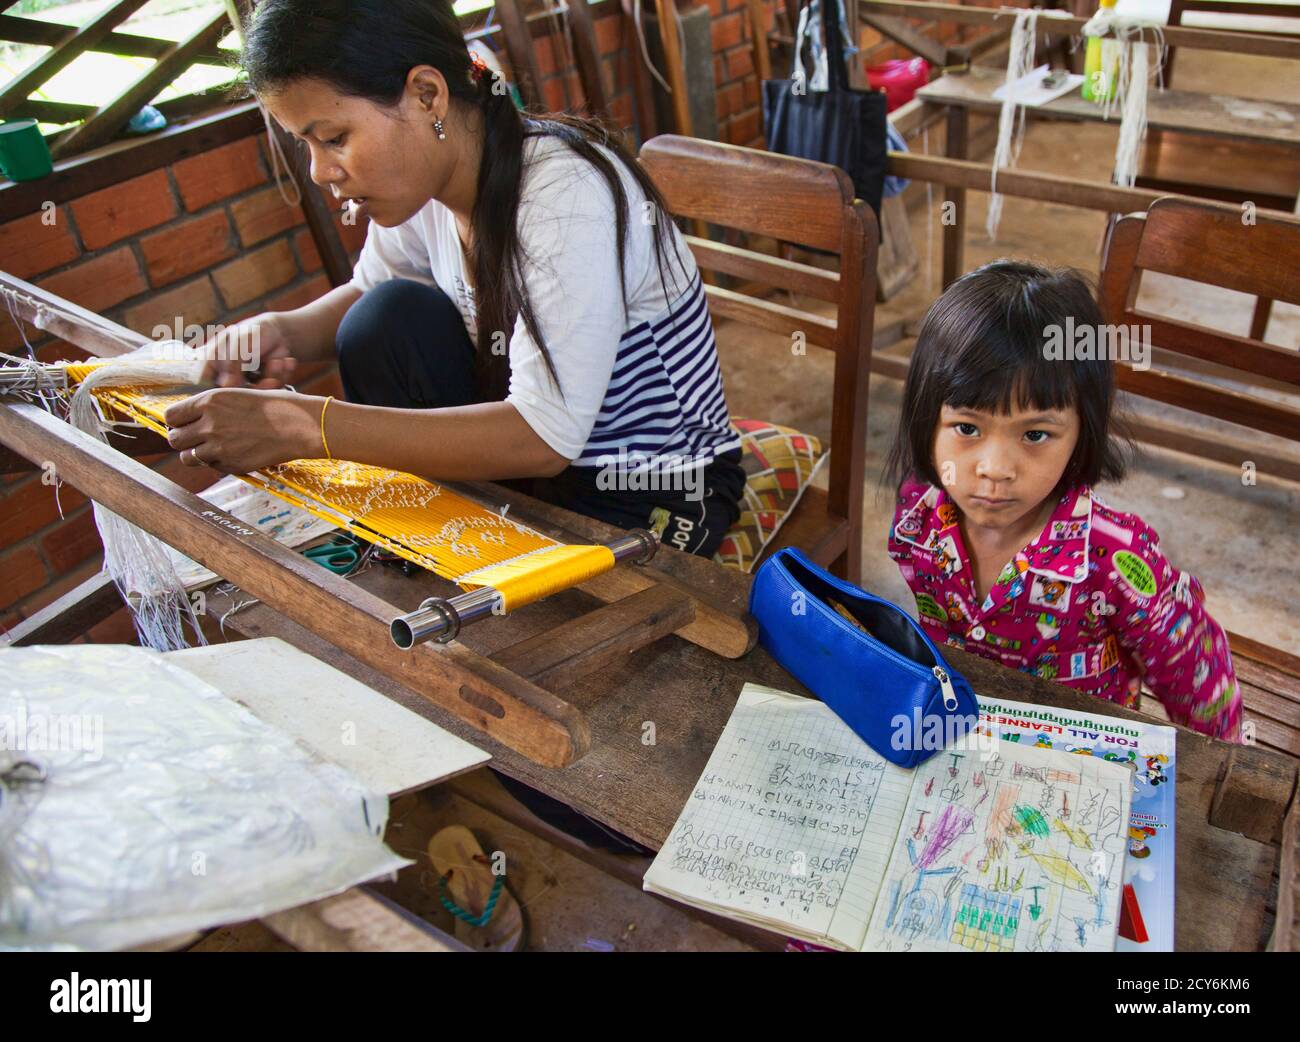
(514, 711)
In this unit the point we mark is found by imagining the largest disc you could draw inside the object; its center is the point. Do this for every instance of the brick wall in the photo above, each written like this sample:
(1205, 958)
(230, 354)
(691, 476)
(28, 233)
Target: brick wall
(209, 240)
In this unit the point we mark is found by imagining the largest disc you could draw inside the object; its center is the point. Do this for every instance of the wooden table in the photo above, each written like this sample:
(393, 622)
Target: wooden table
(1238, 119)
(1225, 880)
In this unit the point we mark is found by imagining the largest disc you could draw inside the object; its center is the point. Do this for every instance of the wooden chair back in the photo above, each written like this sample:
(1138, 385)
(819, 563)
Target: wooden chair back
(1210, 243)
(813, 205)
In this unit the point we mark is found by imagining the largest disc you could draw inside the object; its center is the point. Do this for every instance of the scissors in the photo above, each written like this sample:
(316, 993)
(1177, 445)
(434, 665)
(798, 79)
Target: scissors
(340, 555)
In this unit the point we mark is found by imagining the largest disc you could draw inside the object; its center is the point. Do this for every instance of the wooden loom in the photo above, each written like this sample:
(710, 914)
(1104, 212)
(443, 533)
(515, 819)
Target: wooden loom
(506, 696)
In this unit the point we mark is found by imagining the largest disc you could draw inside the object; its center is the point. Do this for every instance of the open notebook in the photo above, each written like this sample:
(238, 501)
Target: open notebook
(798, 826)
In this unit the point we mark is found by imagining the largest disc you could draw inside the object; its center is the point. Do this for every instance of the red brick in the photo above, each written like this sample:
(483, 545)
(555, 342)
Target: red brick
(51, 592)
(740, 62)
(308, 255)
(609, 35)
(296, 296)
(749, 92)
(730, 99)
(101, 282)
(29, 246)
(21, 572)
(28, 507)
(219, 174)
(72, 541)
(261, 215)
(620, 108)
(725, 31)
(743, 129)
(186, 247)
(193, 302)
(256, 274)
(716, 8)
(124, 209)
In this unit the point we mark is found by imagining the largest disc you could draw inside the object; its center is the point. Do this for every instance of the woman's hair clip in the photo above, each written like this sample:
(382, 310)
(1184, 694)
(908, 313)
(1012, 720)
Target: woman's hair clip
(478, 68)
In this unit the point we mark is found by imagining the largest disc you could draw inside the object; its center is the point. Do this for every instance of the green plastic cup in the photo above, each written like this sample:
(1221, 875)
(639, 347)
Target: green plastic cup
(24, 155)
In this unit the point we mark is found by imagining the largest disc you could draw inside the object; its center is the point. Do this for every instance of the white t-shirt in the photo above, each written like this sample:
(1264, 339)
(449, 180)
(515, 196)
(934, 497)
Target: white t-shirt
(645, 383)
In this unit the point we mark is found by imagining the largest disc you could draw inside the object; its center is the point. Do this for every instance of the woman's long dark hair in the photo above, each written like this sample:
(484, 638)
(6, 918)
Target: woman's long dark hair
(366, 48)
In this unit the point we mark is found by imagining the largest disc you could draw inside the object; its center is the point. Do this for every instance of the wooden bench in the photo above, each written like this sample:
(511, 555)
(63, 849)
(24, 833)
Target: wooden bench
(1208, 242)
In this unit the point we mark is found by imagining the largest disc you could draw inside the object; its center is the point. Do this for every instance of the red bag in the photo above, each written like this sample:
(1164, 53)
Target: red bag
(899, 78)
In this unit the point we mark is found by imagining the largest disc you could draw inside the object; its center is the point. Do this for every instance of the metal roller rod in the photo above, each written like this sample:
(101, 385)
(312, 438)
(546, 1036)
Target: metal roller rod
(441, 618)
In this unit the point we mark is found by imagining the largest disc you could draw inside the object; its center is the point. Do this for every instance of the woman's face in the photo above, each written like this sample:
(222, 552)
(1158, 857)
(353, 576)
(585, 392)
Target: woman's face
(1000, 467)
(386, 160)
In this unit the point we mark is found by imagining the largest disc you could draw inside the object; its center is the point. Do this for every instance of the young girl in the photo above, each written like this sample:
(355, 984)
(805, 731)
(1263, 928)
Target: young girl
(1009, 552)
(523, 307)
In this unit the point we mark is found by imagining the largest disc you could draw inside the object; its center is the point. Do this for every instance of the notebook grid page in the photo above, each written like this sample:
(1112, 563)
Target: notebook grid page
(792, 814)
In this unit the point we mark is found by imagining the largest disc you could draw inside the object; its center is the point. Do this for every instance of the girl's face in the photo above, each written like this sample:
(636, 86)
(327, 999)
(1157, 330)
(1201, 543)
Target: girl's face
(999, 468)
(387, 161)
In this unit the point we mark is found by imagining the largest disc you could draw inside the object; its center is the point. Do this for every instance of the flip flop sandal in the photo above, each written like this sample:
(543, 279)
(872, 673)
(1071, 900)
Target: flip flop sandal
(487, 915)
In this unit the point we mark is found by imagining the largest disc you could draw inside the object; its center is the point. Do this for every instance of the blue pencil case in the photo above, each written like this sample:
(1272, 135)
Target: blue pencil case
(863, 656)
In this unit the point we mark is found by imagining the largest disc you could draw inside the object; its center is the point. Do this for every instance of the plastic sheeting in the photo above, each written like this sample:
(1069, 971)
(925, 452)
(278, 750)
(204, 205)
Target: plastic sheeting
(164, 807)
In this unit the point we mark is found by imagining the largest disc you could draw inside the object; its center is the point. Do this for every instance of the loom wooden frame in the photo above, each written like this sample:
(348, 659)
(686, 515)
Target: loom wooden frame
(505, 697)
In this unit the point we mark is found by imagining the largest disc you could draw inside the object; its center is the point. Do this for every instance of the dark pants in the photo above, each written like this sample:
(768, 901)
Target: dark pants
(404, 345)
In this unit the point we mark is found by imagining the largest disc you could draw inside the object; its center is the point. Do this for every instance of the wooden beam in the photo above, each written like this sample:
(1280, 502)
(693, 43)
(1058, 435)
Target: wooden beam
(643, 88)
(674, 62)
(1175, 36)
(519, 49)
(70, 616)
(51, 34)
(805, 279)
(110, 118)
(316, 211)
(1026, 184)
(898, 30)
(586, 55)
(62, 54)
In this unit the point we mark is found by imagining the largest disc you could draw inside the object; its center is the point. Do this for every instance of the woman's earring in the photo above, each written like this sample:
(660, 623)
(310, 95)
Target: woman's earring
(437, 129)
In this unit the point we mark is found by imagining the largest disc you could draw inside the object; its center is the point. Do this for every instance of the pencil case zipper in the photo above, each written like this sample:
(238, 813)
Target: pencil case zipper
(940, 674)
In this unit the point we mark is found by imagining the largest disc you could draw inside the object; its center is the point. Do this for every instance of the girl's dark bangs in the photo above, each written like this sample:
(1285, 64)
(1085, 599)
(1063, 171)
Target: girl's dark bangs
(999, 377)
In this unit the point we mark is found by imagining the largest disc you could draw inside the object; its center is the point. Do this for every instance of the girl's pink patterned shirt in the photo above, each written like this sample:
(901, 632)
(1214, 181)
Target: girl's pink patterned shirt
(1092, 603)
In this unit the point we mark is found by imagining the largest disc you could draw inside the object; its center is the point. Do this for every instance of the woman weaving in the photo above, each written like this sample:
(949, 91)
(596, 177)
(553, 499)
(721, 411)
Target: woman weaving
(523, 307)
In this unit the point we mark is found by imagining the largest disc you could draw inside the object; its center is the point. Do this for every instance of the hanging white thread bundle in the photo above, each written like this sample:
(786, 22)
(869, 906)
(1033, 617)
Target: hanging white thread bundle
(138, 562)
(1132, 82)
(1011, 131)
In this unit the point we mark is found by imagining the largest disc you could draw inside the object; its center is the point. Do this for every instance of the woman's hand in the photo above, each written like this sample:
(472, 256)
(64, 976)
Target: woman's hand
(252, 353)
(239, 429)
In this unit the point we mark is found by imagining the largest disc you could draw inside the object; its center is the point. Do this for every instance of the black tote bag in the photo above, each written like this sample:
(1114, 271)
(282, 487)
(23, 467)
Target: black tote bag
(839, 125)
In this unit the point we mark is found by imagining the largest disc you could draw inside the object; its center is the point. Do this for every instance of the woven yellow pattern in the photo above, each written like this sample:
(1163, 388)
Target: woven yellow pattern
(415, 519)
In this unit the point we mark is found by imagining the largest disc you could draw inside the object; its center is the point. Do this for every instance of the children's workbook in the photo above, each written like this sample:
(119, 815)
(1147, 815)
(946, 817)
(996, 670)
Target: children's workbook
(1147, 750)
(797, 825)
